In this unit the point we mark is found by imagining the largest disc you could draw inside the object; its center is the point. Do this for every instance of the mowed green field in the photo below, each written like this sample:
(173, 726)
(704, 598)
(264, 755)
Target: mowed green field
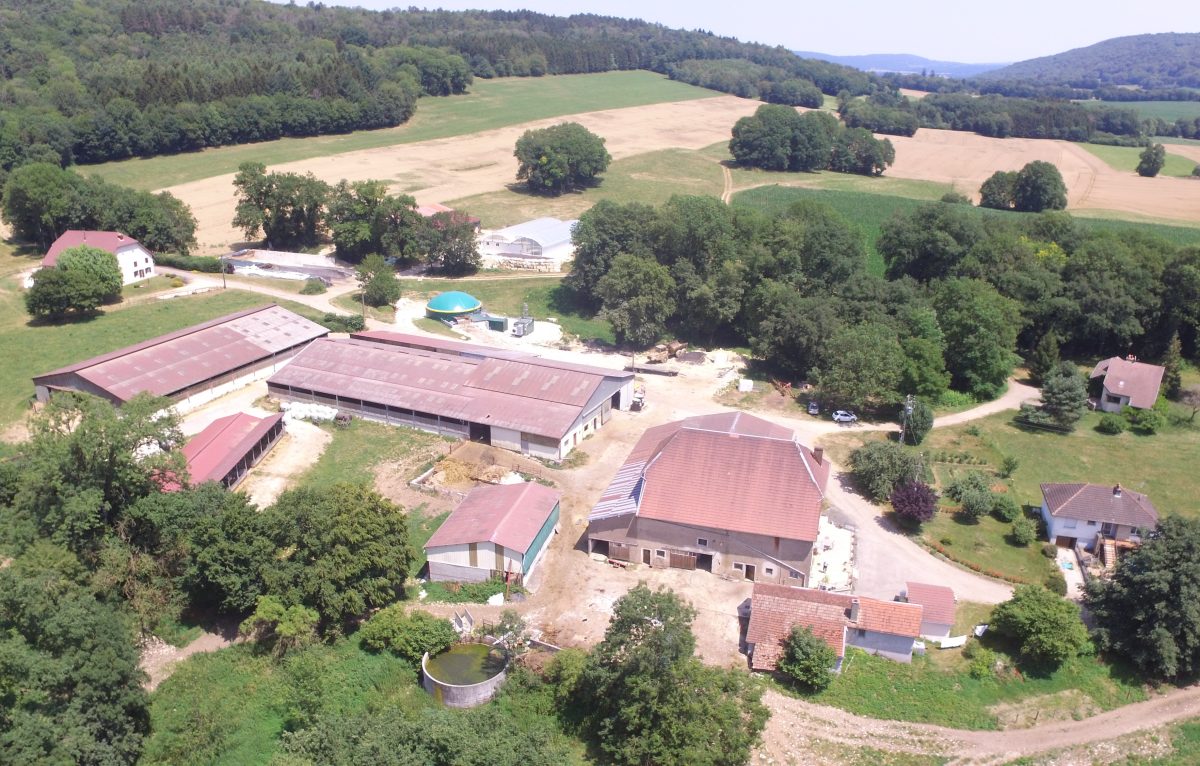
(1125, 158)
(1165, 110)
(29, 350)
(490, 104)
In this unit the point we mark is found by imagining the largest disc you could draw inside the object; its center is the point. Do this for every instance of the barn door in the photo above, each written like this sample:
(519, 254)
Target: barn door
(683, 560)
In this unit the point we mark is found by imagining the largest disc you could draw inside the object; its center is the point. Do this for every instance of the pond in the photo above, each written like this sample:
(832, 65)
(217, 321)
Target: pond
(464, 664)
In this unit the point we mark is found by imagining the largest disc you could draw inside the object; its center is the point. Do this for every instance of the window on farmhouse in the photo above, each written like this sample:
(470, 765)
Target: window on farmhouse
(739, 566)
(792, 573)
(661, 554)
(769, 570)
(702, 542)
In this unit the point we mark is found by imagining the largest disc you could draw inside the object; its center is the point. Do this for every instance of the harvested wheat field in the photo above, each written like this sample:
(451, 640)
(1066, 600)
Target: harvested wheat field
(965, 160)
(451, 168)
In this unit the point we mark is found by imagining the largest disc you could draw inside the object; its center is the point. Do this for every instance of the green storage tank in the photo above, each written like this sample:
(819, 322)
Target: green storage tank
(452, 304)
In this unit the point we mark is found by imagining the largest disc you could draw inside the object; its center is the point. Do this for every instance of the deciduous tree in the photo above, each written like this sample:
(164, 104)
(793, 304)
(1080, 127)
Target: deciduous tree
(880, 466)
(58, 294)
(981, 332)
(100, 267)
(408, 634)
(1151, 160)
(1039, 187)
(1045, 629)
(999, 190)
(638, 297)
(378, 282)
(807, 659)
(914, 502)
(450, 245)
(560, 158)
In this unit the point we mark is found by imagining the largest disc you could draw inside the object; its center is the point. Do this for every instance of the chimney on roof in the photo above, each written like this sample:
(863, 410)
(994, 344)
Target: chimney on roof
(818, 454)
(1131, 358)
(854, 610)
(1117, 490)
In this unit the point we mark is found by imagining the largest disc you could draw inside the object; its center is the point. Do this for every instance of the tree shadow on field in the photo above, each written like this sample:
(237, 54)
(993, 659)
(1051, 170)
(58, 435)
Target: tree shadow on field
(62, 320)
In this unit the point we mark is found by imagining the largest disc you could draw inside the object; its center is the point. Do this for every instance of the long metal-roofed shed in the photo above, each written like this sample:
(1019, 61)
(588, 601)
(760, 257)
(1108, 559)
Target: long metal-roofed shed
(194, 365)
(230, 446)
(520, 402)
(542, 244)
(497, 531)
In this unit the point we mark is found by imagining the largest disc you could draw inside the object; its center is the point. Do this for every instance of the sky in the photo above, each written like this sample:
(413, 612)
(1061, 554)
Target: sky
(969, 31)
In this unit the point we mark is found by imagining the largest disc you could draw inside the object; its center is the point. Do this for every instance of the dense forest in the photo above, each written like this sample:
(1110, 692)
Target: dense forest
(108, 79)
(1168, 60)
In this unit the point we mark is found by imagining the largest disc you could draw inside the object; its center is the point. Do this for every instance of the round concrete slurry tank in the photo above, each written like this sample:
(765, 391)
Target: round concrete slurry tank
(454, 303)
(467, 661)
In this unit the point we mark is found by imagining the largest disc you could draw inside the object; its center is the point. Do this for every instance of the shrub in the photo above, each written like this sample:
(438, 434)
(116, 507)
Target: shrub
(879, 466)
(1055, 582)
(1050, 551)
(966, 482)
(176, 282)
(1146, 422)
(983, 662)
(1009, 466)
(1024, 531)
(1046, 628)
(807, 659)
(344, 322)
(1111, 423)
(976, 503)
(188, 262)
(956, 198)
(407, 635)
(1005, 508)
(312, 287)
(914, 502)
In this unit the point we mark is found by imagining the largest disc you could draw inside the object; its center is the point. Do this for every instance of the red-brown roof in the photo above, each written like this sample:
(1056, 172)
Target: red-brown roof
(505, 514)
(937, 601)
(775, 609)
(213, 452)
(112, 241)
(1101, 503)
(1137, 380)
(176, 361)
(530, 394)
(729, 471)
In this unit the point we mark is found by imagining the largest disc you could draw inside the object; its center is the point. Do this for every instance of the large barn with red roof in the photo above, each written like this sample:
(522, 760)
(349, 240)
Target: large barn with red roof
(728, 493)
(505, 398)
(193, 365)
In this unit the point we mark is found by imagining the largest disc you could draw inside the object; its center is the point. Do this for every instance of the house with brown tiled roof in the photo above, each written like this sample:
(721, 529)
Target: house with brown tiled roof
(727, 493)
(135, 261)
(937, 604)
(1079, 512)
(885, 628)
(1127, 383)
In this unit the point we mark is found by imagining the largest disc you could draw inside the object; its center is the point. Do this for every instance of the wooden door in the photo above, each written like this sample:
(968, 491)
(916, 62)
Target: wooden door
(646, 556)
(473, 551)
(683, 560)
(749, 571)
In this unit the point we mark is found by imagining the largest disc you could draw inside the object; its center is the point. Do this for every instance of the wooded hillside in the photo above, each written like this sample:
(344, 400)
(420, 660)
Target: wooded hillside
(1167, 60)
(99, 80)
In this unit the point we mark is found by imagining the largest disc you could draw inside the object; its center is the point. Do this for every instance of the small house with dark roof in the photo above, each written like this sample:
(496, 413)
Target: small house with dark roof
(886, 628)
(937, 604)
(729, 493)
(1079, 512)
(499, 530)
(1127, 383)
(136, 262)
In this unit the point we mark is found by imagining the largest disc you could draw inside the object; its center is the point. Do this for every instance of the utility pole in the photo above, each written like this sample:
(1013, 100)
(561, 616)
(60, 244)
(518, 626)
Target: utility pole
(906, 417)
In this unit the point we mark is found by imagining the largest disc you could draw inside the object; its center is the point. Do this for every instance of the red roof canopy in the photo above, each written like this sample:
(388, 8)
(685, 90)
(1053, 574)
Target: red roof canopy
(213, 452)
(505, 514)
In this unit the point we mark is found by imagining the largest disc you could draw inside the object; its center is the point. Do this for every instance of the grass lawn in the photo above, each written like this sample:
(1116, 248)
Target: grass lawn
(146, 287)
(352, 304)
(30, 350)
(1125, 158)
(986, 544)
(490, 104)
(436, 327)
(545, 296)
(1162, 466)
(231, 706)
(286, 285)
(363, 444)
(1166, 110)
(925, 692)
(651, 178)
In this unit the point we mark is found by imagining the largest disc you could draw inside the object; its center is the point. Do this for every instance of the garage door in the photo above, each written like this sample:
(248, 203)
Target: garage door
(1065, 542)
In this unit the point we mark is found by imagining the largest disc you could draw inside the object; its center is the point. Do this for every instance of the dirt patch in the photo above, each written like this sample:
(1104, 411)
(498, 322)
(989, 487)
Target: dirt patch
(159, 659)
(450, 168)
(300, 447)
(965, 160)
(1067, 705)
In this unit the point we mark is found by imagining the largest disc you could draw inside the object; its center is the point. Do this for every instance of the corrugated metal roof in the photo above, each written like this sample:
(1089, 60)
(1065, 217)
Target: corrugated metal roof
(417, 379)
(213, 452)
(430, 343)
(505, 514)
(545, 383)
(171, 363)
(112, 241)
(731, 471)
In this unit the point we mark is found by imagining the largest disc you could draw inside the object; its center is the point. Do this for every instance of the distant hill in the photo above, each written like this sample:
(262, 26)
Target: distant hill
(1168, 60)
(904, 63)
